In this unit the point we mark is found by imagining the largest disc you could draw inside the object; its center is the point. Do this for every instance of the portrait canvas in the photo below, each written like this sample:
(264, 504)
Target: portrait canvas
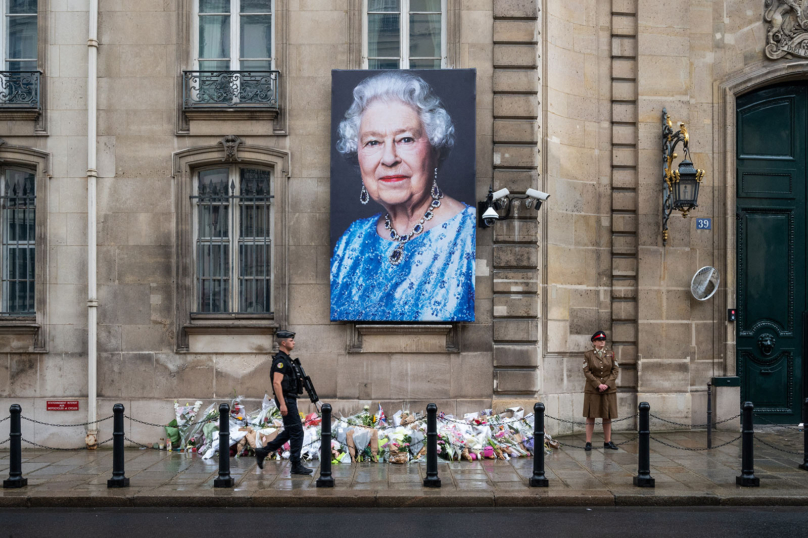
(403, 211)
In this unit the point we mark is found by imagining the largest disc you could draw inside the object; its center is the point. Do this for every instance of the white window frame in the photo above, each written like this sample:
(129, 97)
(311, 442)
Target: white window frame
(4, 33)
(235, 35)
(404, 28)
(233, 239)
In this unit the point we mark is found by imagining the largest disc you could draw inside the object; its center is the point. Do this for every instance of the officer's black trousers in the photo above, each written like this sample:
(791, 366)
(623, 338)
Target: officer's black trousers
(292, 432)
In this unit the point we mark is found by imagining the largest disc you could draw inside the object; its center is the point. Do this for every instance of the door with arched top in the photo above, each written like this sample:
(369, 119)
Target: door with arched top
(771, 248)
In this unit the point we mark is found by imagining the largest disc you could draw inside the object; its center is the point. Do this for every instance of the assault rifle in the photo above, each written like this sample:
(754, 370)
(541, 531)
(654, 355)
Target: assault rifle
(304, 382)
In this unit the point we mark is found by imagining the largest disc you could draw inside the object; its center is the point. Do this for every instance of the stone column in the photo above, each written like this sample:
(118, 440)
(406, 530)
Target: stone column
(516, 161)
(624, 188)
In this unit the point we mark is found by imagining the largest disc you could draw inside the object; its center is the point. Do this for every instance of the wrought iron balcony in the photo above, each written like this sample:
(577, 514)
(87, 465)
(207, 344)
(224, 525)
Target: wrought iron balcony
(19, 90)
(216, 90)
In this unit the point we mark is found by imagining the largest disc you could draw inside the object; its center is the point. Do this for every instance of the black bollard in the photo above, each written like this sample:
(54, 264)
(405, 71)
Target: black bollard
(748, 478)
(325, 480)
(224, 480)
(431, 480)
(15, 479)
(804, 465)
(538, 480)
(118, 479)
(709, 415)
(643, 478)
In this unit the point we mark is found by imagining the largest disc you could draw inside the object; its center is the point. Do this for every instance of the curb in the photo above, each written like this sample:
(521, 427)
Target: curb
(388, 499)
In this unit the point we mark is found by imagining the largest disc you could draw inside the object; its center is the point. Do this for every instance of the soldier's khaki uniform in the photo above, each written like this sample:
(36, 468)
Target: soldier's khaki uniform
(600, 369)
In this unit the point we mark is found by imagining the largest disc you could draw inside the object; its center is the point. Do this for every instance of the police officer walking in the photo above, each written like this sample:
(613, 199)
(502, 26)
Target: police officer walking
(285, 386)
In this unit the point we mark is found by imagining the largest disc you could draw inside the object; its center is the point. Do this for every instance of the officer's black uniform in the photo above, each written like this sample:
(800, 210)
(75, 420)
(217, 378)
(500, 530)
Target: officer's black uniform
(292, 427)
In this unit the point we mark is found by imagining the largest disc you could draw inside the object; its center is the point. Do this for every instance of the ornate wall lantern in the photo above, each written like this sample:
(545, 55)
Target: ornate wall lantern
(681, 188)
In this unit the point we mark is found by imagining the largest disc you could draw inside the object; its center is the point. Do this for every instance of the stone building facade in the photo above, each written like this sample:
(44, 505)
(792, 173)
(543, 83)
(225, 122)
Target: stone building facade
(569, 101)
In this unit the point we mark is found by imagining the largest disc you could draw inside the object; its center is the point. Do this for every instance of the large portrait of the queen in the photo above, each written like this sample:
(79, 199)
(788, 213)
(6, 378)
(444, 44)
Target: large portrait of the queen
(403, 217)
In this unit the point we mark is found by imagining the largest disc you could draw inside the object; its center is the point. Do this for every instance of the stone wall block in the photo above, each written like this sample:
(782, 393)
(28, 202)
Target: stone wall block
(624, 178)
(624, 6)
(526, 156)
(516, 55)
(516, 80)
(516, 9)
(525, 356)
(624, 223)
(624, 201)
(624, 90)
(510, 381)
(624, 157)
(624, 310)
(624, 47)
(624, 244)
(516, 330)
(624, 133)
(624, 68)
(522, 306)
(624, 25)
(516, 231)
(516, 180)
(515, 31)
(624, 112)
(516, 106)
(516, 281)
(624, 331)
(666, 375)
(516, 131)
(623, 266)
(516, 256)
(625, 353)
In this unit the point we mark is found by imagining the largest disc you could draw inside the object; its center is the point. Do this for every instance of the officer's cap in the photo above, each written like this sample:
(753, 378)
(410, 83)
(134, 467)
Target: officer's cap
(284, 334)
(600, 335)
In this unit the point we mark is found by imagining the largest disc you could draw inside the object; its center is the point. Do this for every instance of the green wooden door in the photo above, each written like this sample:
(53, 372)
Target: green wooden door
(771, 239)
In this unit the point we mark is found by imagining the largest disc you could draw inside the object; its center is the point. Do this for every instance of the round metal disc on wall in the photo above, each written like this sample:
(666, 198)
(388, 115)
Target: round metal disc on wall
(704, 283)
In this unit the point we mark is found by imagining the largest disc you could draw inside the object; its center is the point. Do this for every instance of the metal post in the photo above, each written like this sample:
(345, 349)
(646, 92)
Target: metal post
(709, 415)
(118, 479)
(538, 480)
(748, 478)
(431, 480)
(804, 465)
(15, 479)
(224, 480)
(325, 480)
(643, 478)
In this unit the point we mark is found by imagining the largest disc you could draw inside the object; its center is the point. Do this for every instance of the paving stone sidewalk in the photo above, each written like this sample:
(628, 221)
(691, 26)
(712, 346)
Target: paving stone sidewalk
(596, 478)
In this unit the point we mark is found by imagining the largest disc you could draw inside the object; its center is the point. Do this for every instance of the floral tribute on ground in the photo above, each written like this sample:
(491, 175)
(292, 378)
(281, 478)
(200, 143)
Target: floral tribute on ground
(361, 437)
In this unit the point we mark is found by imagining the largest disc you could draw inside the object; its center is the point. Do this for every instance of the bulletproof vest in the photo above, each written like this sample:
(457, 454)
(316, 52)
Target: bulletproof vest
(290, 382)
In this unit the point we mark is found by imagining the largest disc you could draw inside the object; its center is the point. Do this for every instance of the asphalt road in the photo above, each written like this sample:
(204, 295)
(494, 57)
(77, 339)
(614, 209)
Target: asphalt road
(403, 523)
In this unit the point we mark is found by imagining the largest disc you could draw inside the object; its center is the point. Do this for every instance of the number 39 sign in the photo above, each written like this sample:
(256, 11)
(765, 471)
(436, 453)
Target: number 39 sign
(704, 224)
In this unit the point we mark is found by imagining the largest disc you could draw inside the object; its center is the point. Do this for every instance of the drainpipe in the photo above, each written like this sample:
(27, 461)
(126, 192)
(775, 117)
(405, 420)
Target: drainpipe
(92, 174)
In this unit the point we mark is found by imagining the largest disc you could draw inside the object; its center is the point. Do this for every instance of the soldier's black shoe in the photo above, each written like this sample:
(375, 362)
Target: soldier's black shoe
(588, 447)
(298, 468)
(610, 446)
(260, 456)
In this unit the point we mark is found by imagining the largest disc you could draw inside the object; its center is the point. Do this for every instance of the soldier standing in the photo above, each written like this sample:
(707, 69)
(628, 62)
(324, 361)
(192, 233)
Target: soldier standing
(600, 394)
(285, 385)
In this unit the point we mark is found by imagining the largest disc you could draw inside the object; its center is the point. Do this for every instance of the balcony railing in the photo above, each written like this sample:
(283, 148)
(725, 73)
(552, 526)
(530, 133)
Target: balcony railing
(230, 89)
(19, 90)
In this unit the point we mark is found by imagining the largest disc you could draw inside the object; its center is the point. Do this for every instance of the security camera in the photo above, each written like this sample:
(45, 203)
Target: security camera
(490, 216)
(538, 195)
(501, 193)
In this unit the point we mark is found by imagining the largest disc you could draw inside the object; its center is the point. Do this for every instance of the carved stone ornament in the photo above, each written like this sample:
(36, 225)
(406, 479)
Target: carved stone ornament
(787, 32)
(230, 143)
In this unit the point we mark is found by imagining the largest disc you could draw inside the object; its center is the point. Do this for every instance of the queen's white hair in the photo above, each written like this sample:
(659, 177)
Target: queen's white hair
(409, 89)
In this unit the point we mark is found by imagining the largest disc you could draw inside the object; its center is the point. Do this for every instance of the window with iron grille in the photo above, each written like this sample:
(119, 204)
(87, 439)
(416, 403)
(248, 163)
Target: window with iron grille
(18, 207)
(404, 34)
(233, 240)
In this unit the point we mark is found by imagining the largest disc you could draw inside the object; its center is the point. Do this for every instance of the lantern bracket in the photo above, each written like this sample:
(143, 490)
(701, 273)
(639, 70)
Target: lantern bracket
(670, 140)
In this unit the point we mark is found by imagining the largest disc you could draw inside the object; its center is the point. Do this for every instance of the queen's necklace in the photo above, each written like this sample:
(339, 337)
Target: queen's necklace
(398, 253)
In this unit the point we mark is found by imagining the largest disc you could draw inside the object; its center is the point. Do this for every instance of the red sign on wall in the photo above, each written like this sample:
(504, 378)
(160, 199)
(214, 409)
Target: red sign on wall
(63, 405)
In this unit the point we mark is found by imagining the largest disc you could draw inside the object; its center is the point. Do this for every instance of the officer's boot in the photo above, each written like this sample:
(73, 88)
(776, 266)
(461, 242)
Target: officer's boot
(299, 468)
(260, 456)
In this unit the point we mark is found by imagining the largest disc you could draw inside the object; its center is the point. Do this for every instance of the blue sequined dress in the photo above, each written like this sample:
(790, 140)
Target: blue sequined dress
(433, 282)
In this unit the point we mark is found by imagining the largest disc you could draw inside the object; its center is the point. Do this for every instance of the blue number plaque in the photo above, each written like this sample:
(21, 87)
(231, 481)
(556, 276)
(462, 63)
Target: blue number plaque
(704, 224)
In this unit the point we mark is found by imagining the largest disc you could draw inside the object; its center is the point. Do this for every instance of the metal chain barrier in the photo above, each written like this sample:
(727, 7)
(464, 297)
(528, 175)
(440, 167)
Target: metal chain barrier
(6, 441)
(501, 423)
(4, 419)
(798, 453)
(64, 449)
(764, 419)
(65, 425)
(695, 449)
(584, 423)
(215, 417)
(694, 425)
